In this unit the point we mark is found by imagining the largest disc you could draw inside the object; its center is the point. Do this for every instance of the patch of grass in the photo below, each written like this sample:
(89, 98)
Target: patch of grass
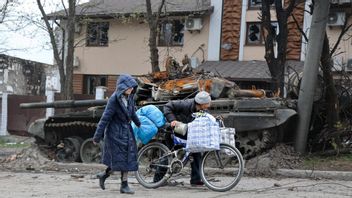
(347, 157)
(317, 160)
(4, 143)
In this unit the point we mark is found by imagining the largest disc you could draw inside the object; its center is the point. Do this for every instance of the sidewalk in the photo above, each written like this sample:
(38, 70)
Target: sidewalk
(315, 174)
(289, 173)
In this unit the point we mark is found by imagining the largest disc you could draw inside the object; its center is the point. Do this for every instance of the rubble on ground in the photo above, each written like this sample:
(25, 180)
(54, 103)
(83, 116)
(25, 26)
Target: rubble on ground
(280, 156)
(33, 159)
(30, 159)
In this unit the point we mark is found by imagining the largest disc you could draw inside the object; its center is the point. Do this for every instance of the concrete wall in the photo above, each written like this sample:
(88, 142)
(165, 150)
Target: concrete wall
(128, 50)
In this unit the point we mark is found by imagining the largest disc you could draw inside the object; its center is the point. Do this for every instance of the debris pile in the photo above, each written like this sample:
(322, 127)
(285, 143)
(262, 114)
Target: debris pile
(30, 159)
(179, 82)
(281, 156)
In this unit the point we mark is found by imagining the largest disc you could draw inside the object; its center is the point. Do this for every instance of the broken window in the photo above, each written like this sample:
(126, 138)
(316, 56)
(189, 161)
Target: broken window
(171, 33)
(254, 36)
(255, 33)
(97, 34)
(257, 4)
(93, 81)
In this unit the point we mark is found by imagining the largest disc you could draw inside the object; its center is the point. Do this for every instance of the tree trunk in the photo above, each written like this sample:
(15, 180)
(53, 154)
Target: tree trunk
(54, 45)
(331, 98)
(68, 92)
(154, 52)
(276, 64)
(153, 22)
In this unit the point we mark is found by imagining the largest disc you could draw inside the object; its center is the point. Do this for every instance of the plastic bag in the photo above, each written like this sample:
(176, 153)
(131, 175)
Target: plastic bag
(152, 113)
(227, 135)
(203, 133)
(146, 131)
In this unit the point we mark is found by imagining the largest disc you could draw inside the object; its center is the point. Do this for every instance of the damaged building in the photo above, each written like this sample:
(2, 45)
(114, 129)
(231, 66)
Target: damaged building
(22, 77)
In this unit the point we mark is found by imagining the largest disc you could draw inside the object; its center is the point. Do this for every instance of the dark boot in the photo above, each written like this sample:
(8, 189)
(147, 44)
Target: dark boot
(125, 188)
(102, 177)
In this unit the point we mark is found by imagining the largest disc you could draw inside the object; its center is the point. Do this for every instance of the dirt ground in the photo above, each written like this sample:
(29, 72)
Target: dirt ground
(26, 156)
(63, 185)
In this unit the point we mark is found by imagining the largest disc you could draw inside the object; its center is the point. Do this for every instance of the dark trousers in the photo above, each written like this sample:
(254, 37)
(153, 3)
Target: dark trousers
(195, 167)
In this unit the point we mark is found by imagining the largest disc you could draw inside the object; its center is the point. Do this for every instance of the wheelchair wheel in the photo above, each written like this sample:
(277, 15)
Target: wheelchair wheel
(221, 170)
(154, 163)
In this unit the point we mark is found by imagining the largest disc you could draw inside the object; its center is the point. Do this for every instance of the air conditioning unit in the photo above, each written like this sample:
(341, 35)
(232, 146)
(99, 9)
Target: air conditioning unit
(336, 19)
(194, 24)
(76, 62)
(349, 65)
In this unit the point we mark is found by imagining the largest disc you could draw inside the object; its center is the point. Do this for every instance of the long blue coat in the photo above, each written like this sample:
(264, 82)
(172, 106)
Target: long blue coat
(120, 149)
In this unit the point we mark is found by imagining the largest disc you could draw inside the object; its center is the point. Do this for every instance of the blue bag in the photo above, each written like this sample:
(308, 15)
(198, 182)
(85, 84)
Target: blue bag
(146, 131)
(153, 113)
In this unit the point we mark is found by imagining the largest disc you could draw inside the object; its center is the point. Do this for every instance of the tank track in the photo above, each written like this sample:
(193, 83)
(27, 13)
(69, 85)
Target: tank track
(252, 143)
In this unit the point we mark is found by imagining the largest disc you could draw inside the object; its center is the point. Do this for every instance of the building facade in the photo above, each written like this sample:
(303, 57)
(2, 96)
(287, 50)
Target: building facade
(112, 42)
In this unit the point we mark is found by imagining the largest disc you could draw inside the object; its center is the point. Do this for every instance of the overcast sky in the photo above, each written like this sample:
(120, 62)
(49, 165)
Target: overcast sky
(29, 43)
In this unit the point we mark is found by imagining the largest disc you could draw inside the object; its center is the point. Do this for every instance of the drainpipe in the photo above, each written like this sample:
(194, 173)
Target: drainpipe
(4, 116)
(306, 25)
(50, 97)
(215, 31)
(243, 29)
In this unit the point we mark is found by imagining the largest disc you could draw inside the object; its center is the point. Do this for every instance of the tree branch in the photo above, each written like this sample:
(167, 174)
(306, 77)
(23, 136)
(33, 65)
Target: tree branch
(291, 6)
(63, 5)
(159, 10)
(299, 28)
(345, 29)
(3, 11)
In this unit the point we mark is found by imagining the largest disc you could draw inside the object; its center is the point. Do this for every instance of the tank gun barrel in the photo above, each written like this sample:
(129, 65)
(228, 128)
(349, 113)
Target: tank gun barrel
(63, 104)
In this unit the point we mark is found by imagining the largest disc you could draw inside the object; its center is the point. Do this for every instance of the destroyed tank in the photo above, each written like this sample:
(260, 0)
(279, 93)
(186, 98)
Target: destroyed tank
(260, 122)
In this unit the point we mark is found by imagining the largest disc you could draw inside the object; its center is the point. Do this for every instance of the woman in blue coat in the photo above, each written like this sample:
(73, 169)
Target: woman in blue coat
(120, 149)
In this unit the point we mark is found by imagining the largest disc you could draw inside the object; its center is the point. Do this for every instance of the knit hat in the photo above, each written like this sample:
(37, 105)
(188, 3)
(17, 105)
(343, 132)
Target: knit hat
(203, 97)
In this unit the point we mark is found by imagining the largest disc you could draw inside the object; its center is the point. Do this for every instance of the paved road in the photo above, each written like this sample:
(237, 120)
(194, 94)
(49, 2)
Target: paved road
(62, 185)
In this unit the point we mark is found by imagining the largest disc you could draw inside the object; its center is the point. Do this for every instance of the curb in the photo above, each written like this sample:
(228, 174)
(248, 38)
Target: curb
(338, 175)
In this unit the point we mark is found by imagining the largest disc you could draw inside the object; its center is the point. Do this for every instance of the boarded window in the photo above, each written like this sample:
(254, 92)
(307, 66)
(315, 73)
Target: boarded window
(171, 33)
(97, 34)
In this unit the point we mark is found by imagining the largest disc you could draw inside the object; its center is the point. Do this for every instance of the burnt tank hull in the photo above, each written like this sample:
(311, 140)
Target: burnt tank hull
(259, 124)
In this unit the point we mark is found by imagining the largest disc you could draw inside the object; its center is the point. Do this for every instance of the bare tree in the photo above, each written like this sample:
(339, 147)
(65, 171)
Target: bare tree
(8, 19)
(65, 67)
(327, 63)
(153, 22)
(276, 63)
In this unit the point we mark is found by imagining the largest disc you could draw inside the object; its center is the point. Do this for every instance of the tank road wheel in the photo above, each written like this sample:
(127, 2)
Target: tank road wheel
(90, 153)
(52, 138)
(69, 151)
(252, 143)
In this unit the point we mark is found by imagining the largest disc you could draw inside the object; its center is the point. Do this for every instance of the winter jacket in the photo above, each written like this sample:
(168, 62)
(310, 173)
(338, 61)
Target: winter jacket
(180, 110)
(120, 150)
